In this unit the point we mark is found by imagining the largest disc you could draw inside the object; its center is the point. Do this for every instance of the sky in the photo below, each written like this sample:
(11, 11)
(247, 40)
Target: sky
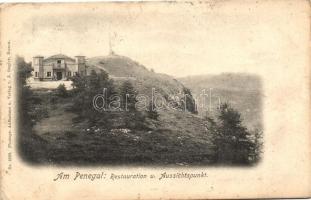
(179, 39)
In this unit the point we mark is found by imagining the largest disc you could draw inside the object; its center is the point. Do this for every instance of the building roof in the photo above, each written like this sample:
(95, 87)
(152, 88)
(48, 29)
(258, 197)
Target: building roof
(59, 56)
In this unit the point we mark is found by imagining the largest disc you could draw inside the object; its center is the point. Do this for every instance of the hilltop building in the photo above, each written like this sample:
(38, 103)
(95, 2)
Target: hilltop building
(58, 67)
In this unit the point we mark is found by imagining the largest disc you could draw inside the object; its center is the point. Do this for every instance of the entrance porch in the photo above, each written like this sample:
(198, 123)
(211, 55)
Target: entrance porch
(59, 74)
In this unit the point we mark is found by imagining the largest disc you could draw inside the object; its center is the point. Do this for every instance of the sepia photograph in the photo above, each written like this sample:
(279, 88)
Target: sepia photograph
(155, 100)
(78, 106)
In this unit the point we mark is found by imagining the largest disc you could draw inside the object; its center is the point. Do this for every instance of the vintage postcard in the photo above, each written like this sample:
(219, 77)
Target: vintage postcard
(155, 100)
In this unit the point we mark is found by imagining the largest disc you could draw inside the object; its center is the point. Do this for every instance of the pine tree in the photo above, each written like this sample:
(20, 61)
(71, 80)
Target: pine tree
(232, 141)
(152, 112)
(93, 82)
(86, 88)
(78, 83)
(188, 101)
(128, 94)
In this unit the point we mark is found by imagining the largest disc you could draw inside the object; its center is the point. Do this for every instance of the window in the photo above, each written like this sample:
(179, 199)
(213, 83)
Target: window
(36, 74)
(59, 61)
(48, 74)
(69, 73)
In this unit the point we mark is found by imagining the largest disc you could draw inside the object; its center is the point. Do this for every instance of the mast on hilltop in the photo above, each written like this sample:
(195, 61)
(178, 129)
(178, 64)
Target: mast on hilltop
(111, 52)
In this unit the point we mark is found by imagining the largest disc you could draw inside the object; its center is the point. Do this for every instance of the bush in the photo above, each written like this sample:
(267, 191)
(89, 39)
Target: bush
(61, 90)
(256, 151)
(38, 112)
(53, 100)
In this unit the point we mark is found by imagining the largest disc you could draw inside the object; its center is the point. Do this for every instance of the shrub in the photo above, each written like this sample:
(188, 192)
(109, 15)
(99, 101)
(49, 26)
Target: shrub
(38, 112)
(53, 100)
(62, 91)
(256, 151)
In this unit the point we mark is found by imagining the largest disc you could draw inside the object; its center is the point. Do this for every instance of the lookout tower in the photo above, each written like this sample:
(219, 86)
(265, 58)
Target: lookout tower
(80, 62)
(38, 66)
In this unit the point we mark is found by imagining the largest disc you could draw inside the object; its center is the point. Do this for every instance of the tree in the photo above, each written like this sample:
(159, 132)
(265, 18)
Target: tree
(128, 94)
(232, 141)
(188, 102)
(23, 69)
(29, 105)
(79, 83)
(24, 92)
(30, 110)
(132, 117)
(152, 112)
(85, 89)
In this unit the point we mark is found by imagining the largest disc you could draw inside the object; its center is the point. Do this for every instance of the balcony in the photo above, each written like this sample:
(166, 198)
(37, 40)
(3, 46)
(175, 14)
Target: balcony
(59, 65)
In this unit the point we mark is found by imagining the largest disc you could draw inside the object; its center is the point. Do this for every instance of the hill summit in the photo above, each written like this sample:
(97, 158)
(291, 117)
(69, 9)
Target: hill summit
(121, 68)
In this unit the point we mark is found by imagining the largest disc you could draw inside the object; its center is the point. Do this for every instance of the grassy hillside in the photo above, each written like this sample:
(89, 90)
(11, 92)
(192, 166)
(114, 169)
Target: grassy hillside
(176, 138)
(122, 68)
(62, 127)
